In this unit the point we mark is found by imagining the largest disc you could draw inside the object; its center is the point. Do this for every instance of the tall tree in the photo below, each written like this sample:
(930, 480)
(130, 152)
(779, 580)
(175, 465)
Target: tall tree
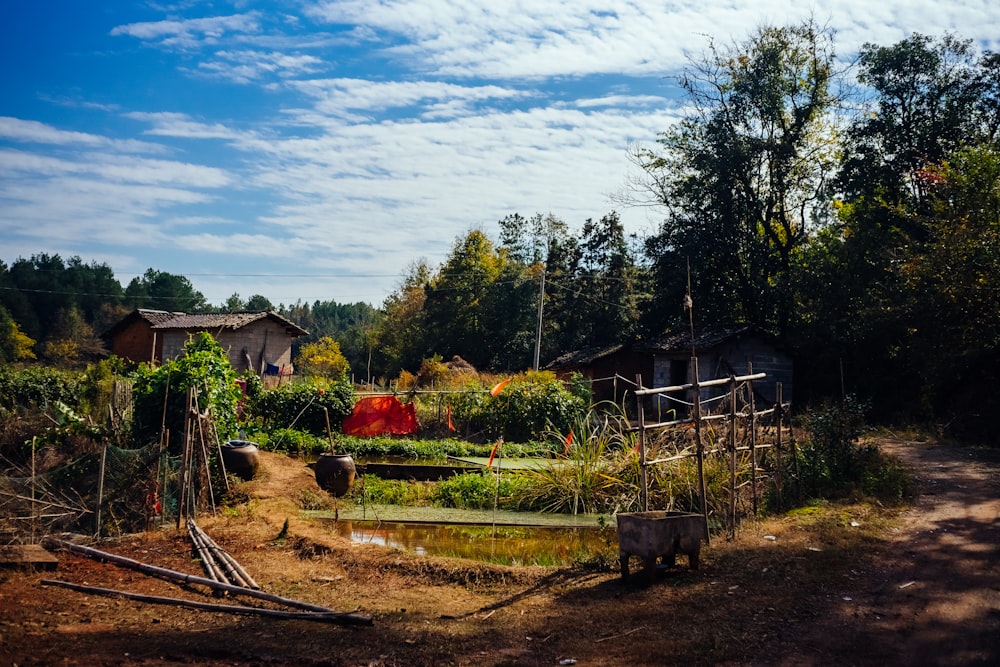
(401, 334)
(459, 296)
(742, 176)
(608, 275)
(927, 98)
(164, 291)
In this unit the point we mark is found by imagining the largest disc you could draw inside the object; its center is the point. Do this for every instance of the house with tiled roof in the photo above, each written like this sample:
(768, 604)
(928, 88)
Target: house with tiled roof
(257, 341)
(133, 338)
(666, 361)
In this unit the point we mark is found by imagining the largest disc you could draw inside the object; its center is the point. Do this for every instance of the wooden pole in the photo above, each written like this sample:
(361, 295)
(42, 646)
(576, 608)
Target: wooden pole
(779, 481)
(696, 388)
(753, 441)
(100, 490)
(164, 573)
(732, 459)
(640, 412)
(331, 617)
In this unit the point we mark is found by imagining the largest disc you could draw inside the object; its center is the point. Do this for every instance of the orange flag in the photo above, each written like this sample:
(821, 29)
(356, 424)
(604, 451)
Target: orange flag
(493, 452)
(500, 385)
(450, 425)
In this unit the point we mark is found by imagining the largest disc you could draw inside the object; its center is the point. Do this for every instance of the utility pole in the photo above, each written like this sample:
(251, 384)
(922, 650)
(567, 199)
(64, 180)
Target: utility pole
(538, 335)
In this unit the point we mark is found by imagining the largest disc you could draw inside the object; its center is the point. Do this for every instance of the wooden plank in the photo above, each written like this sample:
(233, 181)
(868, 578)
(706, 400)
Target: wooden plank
(13, 555)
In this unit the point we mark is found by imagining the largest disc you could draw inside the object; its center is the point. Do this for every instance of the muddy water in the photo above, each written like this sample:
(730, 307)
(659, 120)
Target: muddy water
(508, 544)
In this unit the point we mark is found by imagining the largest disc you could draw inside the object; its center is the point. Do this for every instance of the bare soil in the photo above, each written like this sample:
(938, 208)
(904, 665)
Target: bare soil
(847, 585)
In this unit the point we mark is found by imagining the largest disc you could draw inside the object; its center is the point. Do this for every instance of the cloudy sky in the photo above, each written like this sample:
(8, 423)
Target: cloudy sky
(308, 150)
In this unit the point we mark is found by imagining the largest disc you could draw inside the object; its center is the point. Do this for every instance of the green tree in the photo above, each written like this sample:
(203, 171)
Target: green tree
(400, 334)
(609, 278)
(742, 176)
(864, 316)
(953, 288)
(927, 98)
(259, 303)
(164, 291)
(458, 299)
(71, 338)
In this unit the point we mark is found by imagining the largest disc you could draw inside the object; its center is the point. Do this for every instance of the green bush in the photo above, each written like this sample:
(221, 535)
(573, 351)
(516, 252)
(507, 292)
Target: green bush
(523, 410)
(300, 405)
(160, 393)
(37, 387)
(833, 462)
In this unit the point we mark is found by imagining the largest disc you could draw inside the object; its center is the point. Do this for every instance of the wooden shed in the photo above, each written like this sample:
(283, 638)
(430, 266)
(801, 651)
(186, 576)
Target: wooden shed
(665, 361)
(133, 337)
(259, 341)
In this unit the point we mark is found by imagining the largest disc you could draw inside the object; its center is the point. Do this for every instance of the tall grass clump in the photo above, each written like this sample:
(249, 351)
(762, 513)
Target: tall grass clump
(597, 470)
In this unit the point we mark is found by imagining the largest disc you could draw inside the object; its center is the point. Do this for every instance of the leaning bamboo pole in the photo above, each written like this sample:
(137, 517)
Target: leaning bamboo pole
(173, 575)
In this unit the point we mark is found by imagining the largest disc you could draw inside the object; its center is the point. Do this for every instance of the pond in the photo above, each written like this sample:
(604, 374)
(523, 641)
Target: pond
(512, 538)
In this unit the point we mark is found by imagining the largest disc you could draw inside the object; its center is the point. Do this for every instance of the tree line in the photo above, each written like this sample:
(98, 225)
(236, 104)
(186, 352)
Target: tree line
(854, 213)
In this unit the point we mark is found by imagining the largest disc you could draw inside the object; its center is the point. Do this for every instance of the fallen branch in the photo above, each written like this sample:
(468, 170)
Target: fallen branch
(173, 575)
(203, 606)
(624, 634)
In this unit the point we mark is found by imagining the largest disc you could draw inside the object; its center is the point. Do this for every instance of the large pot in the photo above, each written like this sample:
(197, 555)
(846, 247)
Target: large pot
(335, 473)
(241, 458)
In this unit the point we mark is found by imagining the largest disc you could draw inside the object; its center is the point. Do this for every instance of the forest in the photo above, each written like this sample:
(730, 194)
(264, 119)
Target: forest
(851, 212)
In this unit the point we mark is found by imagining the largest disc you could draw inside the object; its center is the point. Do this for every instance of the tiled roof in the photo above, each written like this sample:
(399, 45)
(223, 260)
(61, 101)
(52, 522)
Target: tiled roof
(705, 338)
(155, 317)
(584, 356)
(233, 321)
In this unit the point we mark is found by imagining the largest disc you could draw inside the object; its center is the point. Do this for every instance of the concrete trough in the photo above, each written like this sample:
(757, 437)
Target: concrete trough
(659, 535)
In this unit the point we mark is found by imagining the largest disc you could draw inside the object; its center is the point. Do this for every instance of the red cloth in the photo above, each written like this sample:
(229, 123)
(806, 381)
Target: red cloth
(379, 415)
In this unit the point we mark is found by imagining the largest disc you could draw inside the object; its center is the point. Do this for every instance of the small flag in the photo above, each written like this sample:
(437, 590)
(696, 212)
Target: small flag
(451, 426)
(493, 452)
(569, 441)
(495, 391)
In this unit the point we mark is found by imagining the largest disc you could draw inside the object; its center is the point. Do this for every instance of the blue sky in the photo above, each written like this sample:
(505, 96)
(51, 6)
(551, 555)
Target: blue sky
(308, 150)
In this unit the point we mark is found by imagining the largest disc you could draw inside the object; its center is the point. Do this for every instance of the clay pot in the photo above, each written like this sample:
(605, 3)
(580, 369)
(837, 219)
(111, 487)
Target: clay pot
(241, 458)
(335, 473)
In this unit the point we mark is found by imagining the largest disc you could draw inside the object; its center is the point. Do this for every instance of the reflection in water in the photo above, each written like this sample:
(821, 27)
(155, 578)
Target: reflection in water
(520, 545)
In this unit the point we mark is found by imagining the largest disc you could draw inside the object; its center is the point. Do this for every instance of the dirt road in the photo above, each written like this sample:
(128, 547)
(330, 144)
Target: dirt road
(931, 596)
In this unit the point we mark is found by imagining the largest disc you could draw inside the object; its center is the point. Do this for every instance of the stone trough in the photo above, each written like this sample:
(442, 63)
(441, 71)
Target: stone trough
(659, 535)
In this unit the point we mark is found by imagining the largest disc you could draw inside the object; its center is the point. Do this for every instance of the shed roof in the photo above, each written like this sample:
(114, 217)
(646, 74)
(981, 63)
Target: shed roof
(232, 321)
(705, 338)
(148, 315)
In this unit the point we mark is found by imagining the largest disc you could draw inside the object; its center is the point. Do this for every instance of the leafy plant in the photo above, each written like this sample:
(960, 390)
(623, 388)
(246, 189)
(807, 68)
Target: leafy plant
(301, 405)
(161, 393)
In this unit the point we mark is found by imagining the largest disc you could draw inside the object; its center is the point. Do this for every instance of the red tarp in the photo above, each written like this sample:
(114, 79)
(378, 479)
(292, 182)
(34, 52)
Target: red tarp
(378, 415)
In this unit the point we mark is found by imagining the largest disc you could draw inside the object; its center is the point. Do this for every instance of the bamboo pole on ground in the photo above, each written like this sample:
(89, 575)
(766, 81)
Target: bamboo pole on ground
(173, 575)
(332, 617)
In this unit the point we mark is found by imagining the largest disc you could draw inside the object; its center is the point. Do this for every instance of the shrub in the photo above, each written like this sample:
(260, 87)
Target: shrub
(833, 462)
(522, 410)
(300, 405)
(37, 387)
(161, 393)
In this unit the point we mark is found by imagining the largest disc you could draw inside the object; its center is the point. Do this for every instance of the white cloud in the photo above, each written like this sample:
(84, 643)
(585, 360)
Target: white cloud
(337, 97)
(190, 33)
(247, 65)
(30, 131)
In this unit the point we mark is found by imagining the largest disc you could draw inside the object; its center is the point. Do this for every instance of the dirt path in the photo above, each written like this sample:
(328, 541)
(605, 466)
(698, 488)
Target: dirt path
(932, 594)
